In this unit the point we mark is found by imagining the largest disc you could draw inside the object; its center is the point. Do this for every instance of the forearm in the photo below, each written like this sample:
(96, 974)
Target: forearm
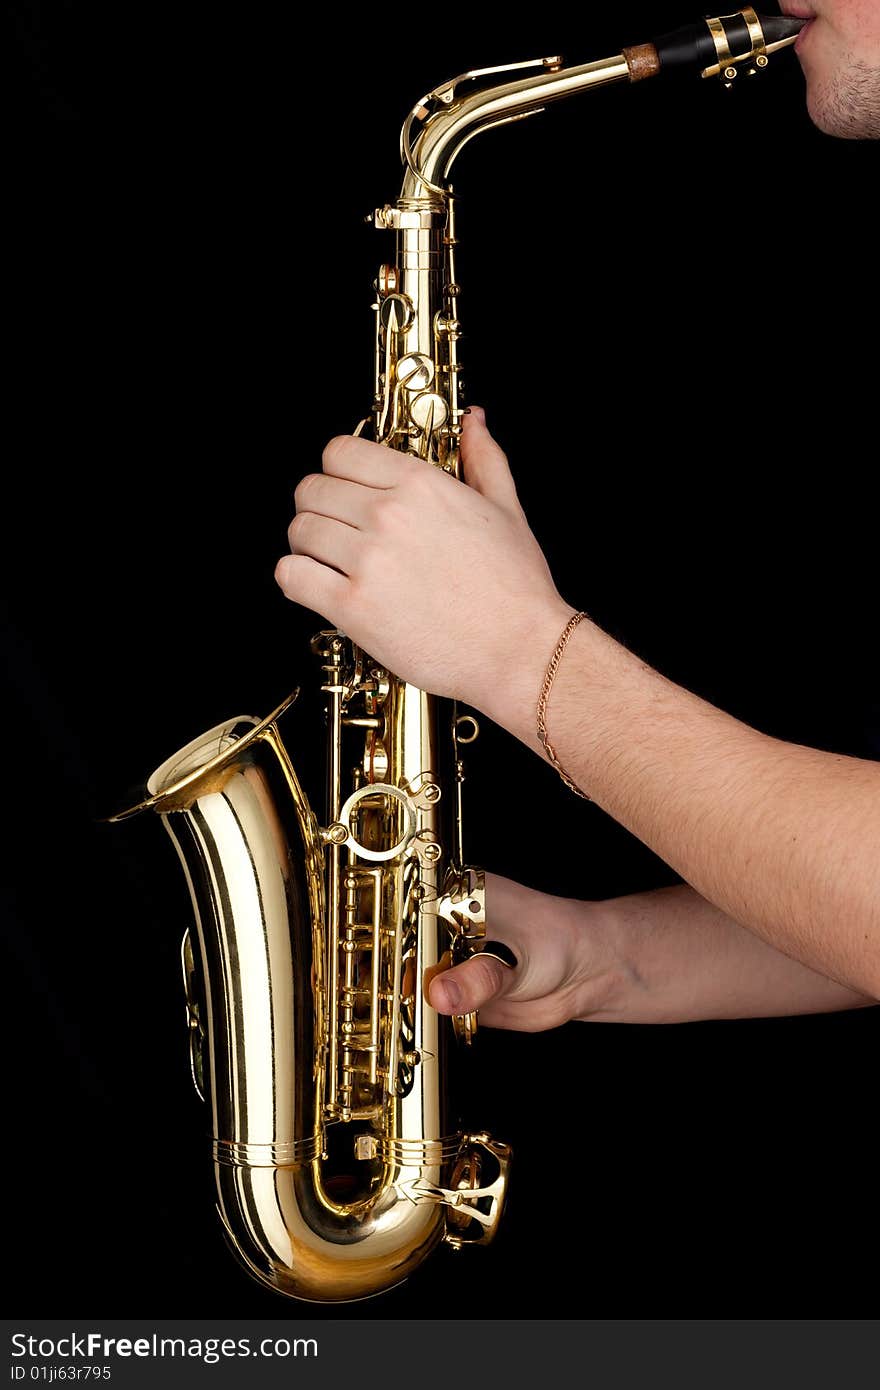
(679, 959)
(783, 839)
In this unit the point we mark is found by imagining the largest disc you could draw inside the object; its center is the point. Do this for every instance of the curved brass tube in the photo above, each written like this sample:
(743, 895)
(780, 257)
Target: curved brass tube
(253, 859)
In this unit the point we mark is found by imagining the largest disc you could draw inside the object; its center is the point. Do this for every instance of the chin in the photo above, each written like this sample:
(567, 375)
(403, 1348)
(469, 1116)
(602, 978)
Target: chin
(824, 117)
(843, 120)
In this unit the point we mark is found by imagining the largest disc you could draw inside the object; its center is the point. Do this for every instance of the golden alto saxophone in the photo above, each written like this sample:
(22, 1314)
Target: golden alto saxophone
(338, 1163)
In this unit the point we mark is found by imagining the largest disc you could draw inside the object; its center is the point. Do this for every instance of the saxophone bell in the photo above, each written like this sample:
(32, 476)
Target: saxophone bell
(336, 1170)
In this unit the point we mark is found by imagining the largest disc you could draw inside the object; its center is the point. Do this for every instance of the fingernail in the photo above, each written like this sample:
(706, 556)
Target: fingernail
(448, 995)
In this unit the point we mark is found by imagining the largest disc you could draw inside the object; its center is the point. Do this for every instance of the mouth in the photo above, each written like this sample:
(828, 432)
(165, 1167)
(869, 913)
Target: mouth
(802, 10)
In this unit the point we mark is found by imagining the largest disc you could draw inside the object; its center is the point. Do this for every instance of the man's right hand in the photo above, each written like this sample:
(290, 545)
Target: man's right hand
(666, 956)
(565, 971)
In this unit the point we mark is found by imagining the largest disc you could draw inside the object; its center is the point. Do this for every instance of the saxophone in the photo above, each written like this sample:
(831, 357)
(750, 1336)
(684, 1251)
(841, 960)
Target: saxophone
(338, 1164)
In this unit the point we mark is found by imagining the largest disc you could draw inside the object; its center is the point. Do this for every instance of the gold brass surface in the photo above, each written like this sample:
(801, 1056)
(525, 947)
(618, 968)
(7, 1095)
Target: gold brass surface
(339, 1165)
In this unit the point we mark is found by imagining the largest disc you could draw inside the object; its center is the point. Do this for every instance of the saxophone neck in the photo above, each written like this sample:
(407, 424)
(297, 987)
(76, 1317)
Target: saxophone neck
(450, 117)
(442, 122)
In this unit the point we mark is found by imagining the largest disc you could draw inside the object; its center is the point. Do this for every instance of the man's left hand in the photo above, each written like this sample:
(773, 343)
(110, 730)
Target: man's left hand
(441, 581)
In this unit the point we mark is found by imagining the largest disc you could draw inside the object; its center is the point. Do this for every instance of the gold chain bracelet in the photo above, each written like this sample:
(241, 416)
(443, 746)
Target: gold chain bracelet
(544, 697)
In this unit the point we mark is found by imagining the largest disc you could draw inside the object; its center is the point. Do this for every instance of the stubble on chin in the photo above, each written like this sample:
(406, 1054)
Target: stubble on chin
(847, 105)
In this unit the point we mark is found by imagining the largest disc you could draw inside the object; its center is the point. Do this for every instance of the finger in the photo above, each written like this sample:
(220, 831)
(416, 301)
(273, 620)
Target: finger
(317, 587)
(361, 461)
(331, 542)
(335, 497)
(485, 463)
(469, 986)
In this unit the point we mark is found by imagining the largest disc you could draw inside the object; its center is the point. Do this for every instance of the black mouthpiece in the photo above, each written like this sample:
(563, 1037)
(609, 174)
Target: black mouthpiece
(779, 27)
(694, 46)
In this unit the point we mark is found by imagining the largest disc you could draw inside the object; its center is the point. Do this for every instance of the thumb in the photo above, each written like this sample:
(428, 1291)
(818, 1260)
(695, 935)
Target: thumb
(469, 986)
(485, 464)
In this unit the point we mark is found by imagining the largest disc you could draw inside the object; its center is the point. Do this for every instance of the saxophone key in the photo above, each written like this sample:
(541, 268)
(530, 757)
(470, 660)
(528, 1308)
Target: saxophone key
(415, 371)
(429, 411)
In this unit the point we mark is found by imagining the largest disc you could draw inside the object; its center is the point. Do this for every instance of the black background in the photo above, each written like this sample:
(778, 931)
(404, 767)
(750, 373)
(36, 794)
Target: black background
(666, 292)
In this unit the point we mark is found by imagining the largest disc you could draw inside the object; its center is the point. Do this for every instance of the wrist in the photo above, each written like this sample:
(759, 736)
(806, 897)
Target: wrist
(604, 978)
(509, 695)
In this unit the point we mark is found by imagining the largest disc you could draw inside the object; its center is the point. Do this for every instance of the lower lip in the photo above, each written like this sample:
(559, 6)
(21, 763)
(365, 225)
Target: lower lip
(802, 35)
